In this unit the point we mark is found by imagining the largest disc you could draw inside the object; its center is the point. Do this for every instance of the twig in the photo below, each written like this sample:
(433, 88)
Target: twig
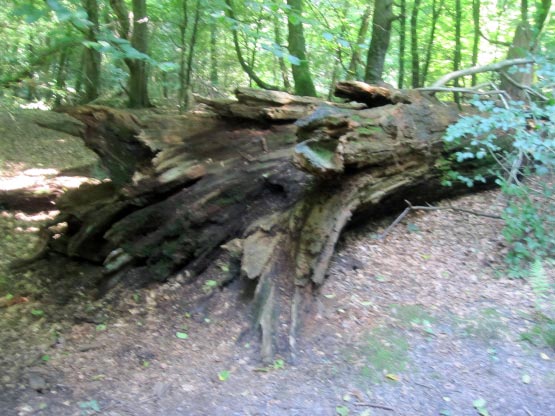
(433, 208)
(528, 412)
(523, 87)
(394, 223)
(245, 156)
(264, 144)
(375, 406)
(423, 385)
(503, 97)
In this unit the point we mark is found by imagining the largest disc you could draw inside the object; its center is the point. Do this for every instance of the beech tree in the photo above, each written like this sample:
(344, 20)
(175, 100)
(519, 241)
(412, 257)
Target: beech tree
(297, 48)
(379, 43)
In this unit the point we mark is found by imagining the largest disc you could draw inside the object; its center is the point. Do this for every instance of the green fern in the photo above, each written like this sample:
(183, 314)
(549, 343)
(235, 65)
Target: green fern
(538, 279)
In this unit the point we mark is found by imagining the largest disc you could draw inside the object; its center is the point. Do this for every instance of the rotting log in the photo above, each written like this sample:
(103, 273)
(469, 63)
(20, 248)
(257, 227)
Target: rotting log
(279, 193)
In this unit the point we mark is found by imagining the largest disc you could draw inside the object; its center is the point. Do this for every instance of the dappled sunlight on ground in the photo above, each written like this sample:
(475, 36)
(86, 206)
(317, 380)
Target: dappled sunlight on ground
(40, 180)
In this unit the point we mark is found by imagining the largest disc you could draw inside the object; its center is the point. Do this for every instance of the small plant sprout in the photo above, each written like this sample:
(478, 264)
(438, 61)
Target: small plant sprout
(181, 335)
(210, 285)
(223, 375)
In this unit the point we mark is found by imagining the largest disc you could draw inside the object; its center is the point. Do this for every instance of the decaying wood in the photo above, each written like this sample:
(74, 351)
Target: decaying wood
(372, 95)
(268, 106)
(277, 194)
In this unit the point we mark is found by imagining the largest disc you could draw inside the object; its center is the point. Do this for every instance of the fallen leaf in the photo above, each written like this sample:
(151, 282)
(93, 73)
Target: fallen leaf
(342, 410)
(393, 377)
(181, 335)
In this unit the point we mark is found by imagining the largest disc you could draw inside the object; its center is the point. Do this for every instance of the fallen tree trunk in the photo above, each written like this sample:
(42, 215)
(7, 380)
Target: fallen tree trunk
(277, 193)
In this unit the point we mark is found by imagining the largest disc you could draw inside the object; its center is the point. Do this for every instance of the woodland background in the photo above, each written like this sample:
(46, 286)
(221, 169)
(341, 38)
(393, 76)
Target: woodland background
(143, 53)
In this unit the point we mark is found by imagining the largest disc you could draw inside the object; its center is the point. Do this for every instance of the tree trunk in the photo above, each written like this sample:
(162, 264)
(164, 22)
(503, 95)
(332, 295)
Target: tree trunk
(301, 72)
(402, 42)
(92, 57)
(214, 54)
(457, 58)
(183, 54)
(138, 71)
(242, 61)
(414, 53)
(356, 60)
(436, 13)
(279, 41)
(137, 35)
(379, 44)
(476, 41)
(275, 192)
(61, 76)
(191, 54)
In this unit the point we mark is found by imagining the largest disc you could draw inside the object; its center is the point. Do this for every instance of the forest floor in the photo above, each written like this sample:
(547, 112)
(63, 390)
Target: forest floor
(424, 322)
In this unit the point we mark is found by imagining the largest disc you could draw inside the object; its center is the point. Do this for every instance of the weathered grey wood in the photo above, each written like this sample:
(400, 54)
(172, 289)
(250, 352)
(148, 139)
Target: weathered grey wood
(282, 193)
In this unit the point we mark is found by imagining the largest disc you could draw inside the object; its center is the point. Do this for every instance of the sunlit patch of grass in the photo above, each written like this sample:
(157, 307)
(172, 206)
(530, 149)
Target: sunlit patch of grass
(383, 352)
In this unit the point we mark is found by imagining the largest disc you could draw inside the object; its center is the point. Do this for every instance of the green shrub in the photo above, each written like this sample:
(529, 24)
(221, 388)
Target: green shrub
(520, 136)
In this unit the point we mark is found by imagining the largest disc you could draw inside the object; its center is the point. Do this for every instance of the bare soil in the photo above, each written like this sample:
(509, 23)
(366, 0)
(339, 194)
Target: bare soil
(424, 322)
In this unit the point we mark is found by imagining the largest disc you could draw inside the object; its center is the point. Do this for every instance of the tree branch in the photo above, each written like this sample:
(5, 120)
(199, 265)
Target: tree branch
(462, 90)
(479, 69)
(432, 208)
(523, 87)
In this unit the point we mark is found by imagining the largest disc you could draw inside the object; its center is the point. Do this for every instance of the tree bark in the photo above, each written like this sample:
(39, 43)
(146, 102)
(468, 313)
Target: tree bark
(138, 71)
(379, 44)
(356, 60)
(137, 35)
(301, 72)
(276, 193)
(279, 41)
(214, 79)
(402, 42)
(436, 13)
(476, 41)
(91, 57)
(414, 53)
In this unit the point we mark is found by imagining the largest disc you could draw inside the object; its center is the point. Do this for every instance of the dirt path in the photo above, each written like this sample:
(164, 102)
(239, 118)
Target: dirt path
(423, 323)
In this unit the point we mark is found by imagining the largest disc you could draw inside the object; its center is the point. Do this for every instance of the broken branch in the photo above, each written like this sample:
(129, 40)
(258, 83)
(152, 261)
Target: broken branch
(479, 69)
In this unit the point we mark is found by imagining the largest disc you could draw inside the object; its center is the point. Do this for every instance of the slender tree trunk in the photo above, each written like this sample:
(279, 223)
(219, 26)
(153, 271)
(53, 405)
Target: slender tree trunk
(379, 44)
(183, 53)
(415, 58)
(476, 37)
(458, 43)
(165, 92)
(244, 64)
(252, 60)
(338, 63)
(79, 77)
(436, 13)
(356, 60)
(91, 57)
(61, 75)
(138, 37)
(214, 54)
(192, 43)
(402, 42)
(279, 41)
(301, 72)
(138, 71)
